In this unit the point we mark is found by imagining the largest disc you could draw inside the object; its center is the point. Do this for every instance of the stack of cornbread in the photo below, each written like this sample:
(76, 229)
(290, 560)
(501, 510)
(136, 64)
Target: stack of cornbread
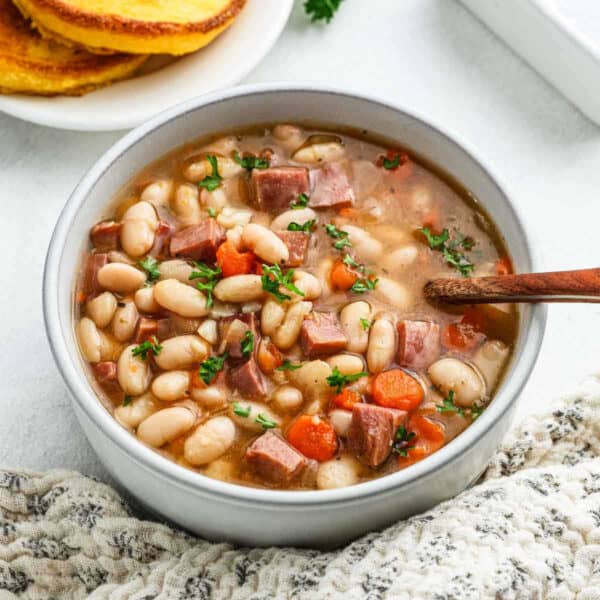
(72, 47)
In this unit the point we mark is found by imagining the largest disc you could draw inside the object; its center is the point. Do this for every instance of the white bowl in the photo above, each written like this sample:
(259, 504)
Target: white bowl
(252, 516)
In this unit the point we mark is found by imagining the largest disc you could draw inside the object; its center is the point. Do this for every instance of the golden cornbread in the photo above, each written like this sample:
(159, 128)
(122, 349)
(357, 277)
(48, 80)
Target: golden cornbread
(135, 26)
(33, 65)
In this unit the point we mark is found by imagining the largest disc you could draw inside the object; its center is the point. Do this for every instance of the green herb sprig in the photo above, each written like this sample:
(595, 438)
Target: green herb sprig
(338, 381)
(305, 227)
(247, 344)
(265, 422)
(273, 278)
(365, 324)
(241, 411)
(401, 444)
(288, 366)
(301, 202)
(210, 276)
(448, 405)
(212, 182)
(338, 234)
(211, 367)
(321, 10)
(150, 345)
(151, 266)
(449, 249)
(250, 162)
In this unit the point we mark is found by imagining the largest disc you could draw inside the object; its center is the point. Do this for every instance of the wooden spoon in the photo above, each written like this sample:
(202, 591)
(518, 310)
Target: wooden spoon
(559, 286)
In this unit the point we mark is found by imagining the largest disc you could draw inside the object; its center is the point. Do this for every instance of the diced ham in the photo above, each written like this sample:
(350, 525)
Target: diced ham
(94, 263)
(321, 334)
(372, 432)
(418, 343)
(146, 328)
(247, 379)
(273, 190)
(331, 188)
(161, 239)
(198, 242)
(274, 459)
(106, 373)
(105, 235)
(232, 331)
(297, 244)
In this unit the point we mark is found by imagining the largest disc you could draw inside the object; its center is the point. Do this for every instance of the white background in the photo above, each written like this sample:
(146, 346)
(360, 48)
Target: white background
(429, 54)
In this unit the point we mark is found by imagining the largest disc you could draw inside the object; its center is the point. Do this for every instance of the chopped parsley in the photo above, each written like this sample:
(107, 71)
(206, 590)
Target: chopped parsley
(306, 227)
(150, 265)
(449, 406)
(212, 182)
(288, 366)
(211, 278)
(127, 400)
(247, 344)
(338, 381)
(212, 213)
(400, 445)
(338, 234)
(361, 286)
(449, 249)
(273, 278)
(241, 411)
(250, 162)
(348, 260)
(391, 164)
(211, 367)
(321, 10)
(475, 411)
(365, 324)
(436, 242)
(265, 422)
(302, 202)
(150, 345)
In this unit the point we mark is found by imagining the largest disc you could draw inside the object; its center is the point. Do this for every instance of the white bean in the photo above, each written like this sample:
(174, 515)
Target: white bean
(124, 321)
(220, 469)
(186, 206)
(182, 352)
(138, 227)
(198, 170)
(337, 473)
(234, 236)
(211, 397)
(311, 378)
(180, 298)
(133, 373)
(230, 217)
(120, 278)
(287, 333)
(322, 273)
(208, 330)
(91, 341)
(176, 269)
(166, 425)
(265, 244)
(101, 309)
(158, 192)
(350, 320)
(210, 441)
(319, 153)
(340, 420)
(300, 216)
(382, 345)
(239, 288)
(347, 364)
(132, 414)
(252, 421)
(400, 259)
(451, 374)
(394, 293)
(490, 359)
(288, 398)
(120, 257)
(145, 302)
(183, 325)
(271, 316)
(308, 284)
(368, 248)
(217, 199)
(289, 136)
(171, 386)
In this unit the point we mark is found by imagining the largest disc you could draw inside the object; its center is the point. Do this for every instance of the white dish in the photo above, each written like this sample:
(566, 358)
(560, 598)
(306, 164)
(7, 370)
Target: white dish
(129, 103)
(254, 516)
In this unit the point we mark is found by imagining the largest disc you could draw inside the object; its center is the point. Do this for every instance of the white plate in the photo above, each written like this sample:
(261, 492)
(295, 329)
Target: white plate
(129, 103)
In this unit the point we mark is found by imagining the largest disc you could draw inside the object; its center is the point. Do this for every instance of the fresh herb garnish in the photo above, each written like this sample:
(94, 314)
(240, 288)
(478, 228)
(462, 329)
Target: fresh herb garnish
(449, 251)
(365, 324)
(273, 278)
(458, 260)
(240, 411)
(338, 381)
(393, 163)
(321, 10)
(212, 182)
(247, 344)
(338, 234)
(401, 442)
(150, 345)
(306, 227)
(211, 367)
(211, 278)
(360, 286)
(302, 202)
(288, 366)
(212, 213)
(265, 422)
(449, 406)
(251, 162)
(150, 265)
(348, 260)
(436, 242)
(475, 411)
(127, 400)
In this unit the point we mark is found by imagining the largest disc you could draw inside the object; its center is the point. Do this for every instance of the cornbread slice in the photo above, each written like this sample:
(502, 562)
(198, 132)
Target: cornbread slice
(135, 26)
(32, 65)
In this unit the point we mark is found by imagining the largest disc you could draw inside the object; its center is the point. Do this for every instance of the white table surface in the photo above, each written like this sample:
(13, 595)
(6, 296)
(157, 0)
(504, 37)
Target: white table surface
(431, 55)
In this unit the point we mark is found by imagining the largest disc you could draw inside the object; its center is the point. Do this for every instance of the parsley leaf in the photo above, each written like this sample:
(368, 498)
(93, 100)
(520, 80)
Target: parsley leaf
(401, 441)
(210, 368)
(449, 251)
(150, 345)
(475, 411)
(360, 286)
(338, 381)
(240, 411)
(273, 278)
(302, 202)
(306, 227)
(265, 422)
(212, 213)
(150, 265)
(212, 182)
(449, 406)
(127, 400)
(338, 234)
(321, 10)
(435, 242)
(211, 277)
(365, 324)
(288, 366)
(251, 162)
(348, 260)
(247, 344)
(394, 163)
(459, 261)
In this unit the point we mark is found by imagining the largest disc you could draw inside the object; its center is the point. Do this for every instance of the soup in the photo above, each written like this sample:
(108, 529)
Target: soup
(252, 308)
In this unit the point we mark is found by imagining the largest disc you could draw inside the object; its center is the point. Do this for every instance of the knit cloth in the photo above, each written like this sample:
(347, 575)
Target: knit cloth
(530, 529)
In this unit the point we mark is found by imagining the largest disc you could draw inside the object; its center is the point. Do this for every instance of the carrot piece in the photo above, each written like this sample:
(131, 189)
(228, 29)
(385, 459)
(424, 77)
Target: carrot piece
(342, 276)
(346, 399)
(80, 297)
(268, 357)
(234, 262)
(461, 336)
(397, 389)
(314, 437)
(503, 266)
(348, 211)
(429, 437)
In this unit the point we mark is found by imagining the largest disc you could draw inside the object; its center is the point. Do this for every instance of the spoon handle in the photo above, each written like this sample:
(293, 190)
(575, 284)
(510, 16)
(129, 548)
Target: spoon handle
(559, 286)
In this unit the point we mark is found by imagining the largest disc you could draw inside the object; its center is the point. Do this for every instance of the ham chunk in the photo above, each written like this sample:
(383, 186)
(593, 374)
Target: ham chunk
(273, 190)
(146, 328)
(233, 330)
(198, 242)
(297, 244)
(321, 334)
(161, 239)
(247, 379)
(331, 188)
(93, 264)
(418, 343)
(372, 432)
(274, 459)
(105, 235)
(105, 373)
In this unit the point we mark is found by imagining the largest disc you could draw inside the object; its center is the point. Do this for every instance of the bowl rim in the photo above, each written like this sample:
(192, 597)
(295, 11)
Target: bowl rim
(147, 458)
